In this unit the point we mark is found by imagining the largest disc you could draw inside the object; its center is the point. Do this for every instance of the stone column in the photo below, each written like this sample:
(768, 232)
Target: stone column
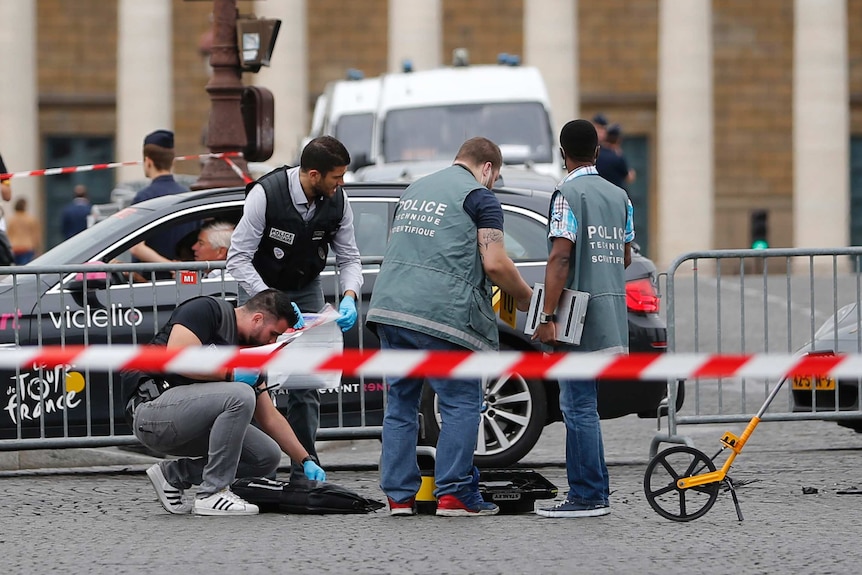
(821, 182)
(19, 109)
(287, 78)
(551, 45)
(415, 33)
(685, 129)
(144, 77)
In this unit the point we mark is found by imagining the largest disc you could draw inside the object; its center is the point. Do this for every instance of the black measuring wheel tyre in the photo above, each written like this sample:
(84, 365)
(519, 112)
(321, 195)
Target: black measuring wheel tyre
(662, 492)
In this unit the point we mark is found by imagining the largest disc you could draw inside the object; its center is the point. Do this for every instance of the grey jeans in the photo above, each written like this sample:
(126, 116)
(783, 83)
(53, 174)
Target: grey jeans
(303, 405)
(208, 426)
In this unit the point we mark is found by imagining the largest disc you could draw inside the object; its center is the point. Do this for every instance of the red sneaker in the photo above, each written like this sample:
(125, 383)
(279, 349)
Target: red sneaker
(451, 506)
(406, 508)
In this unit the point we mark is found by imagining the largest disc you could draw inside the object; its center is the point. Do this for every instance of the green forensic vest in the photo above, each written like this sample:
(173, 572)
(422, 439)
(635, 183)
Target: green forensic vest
(598, 268)
(431, 279)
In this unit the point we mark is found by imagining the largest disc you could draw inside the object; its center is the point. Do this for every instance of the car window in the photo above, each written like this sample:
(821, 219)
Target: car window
(525, 236)
(181, 228)
(371, 225)
(118, 251)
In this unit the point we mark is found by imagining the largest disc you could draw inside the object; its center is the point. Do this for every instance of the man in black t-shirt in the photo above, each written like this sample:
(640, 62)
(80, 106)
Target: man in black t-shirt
(205, 418)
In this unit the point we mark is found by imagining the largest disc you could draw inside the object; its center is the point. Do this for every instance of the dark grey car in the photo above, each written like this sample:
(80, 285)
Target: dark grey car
(51, 308)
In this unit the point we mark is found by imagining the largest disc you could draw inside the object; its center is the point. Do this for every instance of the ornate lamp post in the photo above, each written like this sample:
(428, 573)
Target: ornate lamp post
(226, 131)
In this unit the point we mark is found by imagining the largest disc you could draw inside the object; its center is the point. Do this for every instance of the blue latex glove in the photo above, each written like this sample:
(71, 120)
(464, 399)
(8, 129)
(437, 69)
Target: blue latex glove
(300, 323)
(347, 309)
(313, 471)
(249, 376)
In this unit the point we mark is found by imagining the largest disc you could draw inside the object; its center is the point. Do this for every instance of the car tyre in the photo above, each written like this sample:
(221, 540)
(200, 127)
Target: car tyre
(514, 413)
(662, 408)
(854, 424)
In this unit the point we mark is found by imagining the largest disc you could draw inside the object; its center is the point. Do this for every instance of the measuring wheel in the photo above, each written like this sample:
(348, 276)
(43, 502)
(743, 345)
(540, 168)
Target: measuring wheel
(661, 489)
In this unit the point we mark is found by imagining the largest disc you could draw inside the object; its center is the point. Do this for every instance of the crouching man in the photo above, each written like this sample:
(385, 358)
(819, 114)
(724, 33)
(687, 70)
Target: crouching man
(206, 419)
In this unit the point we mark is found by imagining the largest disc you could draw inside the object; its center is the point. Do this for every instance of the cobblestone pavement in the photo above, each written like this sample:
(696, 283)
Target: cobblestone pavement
(107, 520)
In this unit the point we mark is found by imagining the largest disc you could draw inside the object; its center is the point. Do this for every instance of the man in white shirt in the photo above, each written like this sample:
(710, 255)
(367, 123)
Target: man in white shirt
(212, 246)
(290, 220)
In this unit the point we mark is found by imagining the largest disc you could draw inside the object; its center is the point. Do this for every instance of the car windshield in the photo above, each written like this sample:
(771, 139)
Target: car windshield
(435, 133)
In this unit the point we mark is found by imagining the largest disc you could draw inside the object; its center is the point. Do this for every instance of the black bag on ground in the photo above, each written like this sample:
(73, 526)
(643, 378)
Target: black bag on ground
(302, 496)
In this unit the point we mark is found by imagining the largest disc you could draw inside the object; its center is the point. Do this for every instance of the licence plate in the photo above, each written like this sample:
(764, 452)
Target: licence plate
(820, 383)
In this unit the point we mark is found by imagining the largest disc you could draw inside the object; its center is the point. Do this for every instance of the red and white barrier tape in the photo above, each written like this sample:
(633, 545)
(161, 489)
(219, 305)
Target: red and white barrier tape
(89, 168)
(238, 171)
(532, 365)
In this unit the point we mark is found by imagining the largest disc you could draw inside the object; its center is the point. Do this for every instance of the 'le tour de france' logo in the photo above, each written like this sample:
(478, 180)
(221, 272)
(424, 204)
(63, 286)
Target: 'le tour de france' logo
(42, 391)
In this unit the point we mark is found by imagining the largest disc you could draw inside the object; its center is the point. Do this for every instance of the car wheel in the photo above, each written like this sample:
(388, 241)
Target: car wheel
(662, 408)
(513, 415)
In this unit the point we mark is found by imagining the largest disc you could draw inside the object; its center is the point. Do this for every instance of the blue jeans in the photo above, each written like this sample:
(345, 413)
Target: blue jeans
(585, 454)
(460, 402)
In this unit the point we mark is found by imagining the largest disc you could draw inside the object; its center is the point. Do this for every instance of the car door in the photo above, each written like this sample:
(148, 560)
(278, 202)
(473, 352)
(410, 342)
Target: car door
(359, 401)
(101, 308)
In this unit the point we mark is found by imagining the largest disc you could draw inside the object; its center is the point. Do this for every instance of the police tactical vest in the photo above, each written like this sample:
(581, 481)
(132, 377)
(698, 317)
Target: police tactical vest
(600, 209)
(432, 280)
(292, 252)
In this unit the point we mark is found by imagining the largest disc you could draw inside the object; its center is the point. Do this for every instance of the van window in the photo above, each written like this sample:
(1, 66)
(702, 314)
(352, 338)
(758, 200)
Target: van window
(521, 130)
(354, 131)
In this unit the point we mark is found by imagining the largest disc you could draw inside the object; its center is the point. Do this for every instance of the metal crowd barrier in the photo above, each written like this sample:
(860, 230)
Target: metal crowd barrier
(99, 303)
(760, 301)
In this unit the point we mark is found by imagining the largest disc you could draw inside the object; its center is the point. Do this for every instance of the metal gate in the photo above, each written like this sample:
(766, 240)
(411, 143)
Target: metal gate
(101, 304)
(764, 301)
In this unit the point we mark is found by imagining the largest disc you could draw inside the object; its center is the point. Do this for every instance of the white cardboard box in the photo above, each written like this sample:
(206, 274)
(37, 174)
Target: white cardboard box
(571, 311)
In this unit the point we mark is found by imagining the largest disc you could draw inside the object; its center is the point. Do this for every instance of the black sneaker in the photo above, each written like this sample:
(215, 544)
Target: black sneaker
(572, 509)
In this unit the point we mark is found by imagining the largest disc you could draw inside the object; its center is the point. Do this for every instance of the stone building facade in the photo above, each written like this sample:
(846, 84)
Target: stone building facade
(616, 69)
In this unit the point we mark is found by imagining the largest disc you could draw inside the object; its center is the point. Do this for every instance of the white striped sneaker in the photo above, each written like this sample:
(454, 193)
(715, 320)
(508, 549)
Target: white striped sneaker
(225, 502)
(170, 497)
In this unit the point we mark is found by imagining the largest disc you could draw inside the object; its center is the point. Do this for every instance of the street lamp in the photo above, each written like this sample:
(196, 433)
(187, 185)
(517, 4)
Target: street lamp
(225, 131)
(240, 118)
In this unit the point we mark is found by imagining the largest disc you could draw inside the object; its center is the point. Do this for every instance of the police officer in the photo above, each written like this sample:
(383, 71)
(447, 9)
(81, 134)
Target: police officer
(206, 419)
(290, 219)
(586, 208)
(158, 166)
(434, 292)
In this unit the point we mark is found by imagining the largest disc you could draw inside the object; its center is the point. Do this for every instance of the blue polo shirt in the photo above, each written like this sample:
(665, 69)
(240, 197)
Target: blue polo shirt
(165, 242)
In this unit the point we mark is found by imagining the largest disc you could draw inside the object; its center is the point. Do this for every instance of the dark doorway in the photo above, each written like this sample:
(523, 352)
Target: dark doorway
(636, 151)
(61, 151)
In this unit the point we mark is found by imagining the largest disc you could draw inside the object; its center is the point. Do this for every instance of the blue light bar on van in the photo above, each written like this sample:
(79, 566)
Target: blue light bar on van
(505, 59)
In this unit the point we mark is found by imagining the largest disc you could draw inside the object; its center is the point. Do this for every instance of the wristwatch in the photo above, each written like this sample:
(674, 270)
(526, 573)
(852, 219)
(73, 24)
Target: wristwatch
(310, 457)
(547, 317)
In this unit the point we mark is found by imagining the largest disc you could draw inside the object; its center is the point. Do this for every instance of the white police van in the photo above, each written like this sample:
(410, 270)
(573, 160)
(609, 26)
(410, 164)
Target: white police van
(425, 116)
